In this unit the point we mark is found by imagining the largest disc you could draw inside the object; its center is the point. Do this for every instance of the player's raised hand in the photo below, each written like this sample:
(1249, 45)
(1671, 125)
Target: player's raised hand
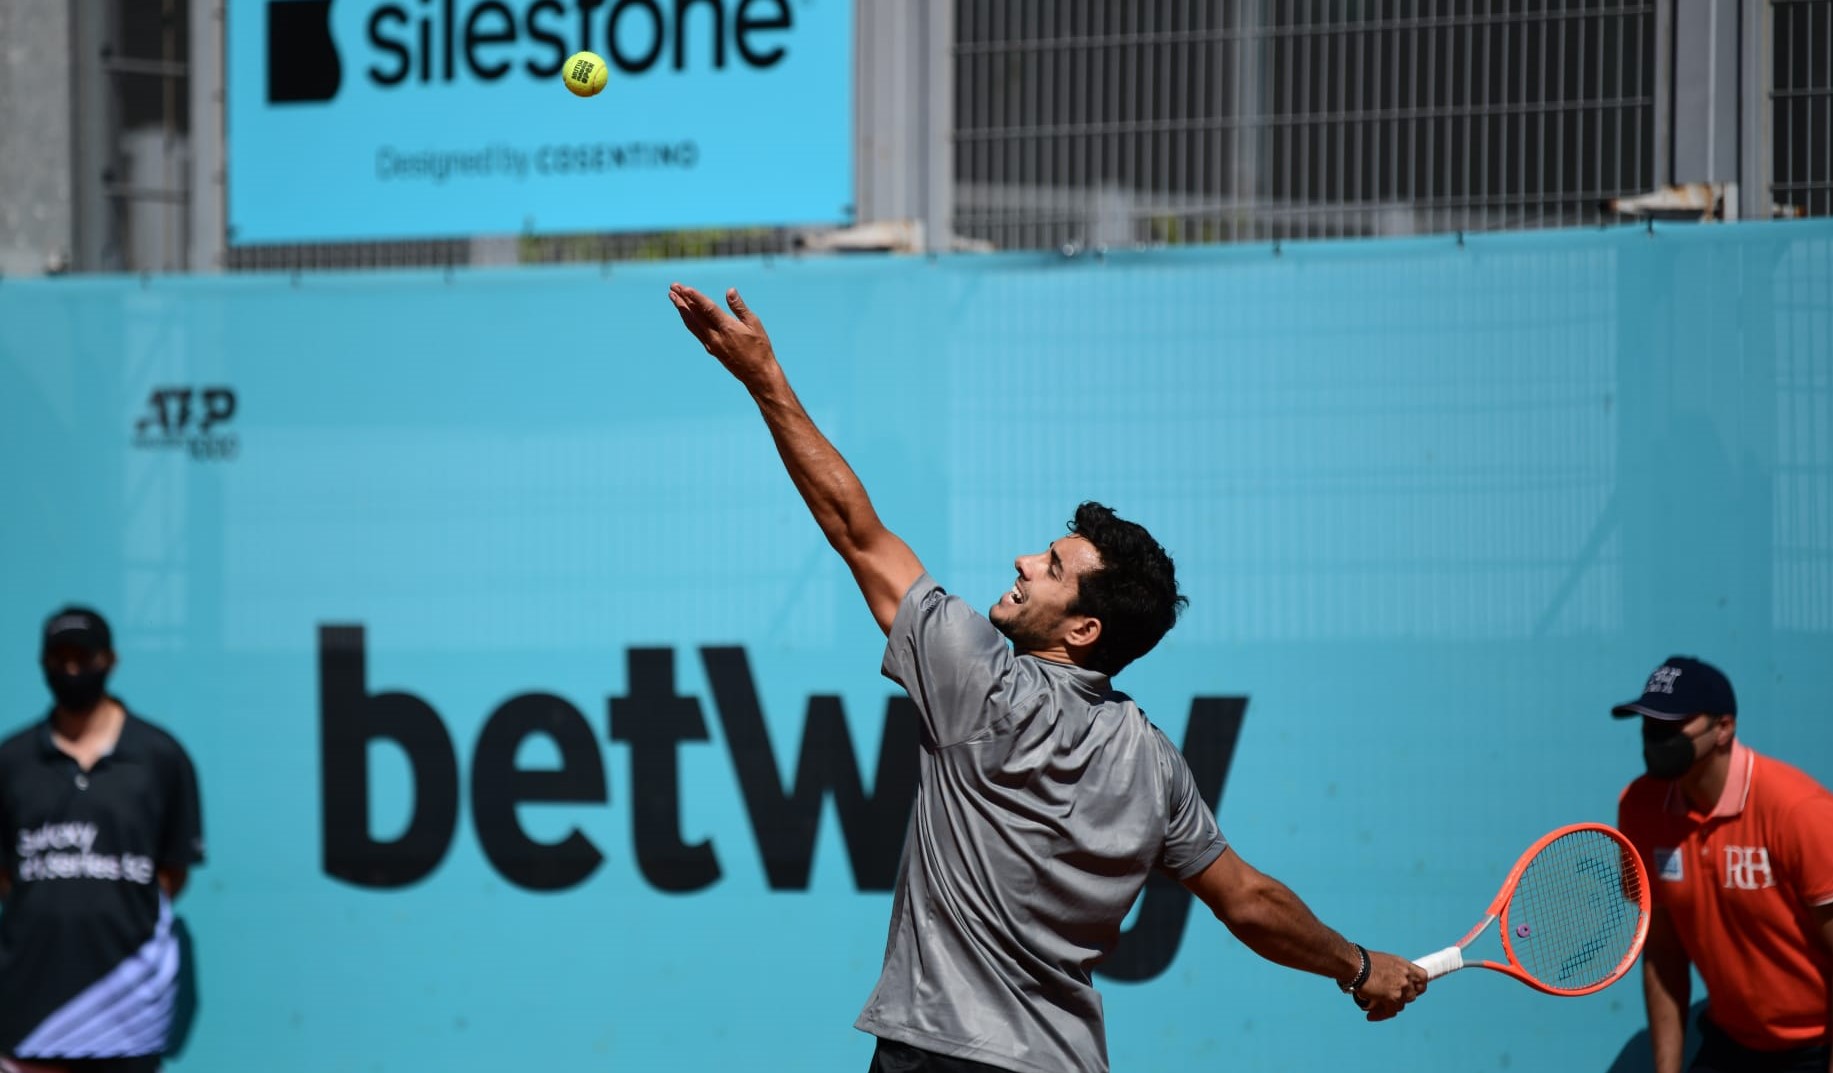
(737, 339)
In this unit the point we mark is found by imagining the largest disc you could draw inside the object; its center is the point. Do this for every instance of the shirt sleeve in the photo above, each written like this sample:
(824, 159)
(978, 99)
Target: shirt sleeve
(1192, 839)
(1808, 851)
(181, 842)
(952, 662)
(1631, 809)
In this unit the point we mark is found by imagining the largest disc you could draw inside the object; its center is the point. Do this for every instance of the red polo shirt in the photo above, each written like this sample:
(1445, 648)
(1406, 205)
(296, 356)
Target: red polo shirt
(1740, 884)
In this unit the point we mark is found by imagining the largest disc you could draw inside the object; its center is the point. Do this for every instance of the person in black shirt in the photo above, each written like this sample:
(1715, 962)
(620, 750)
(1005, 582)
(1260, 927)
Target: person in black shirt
(99, 826)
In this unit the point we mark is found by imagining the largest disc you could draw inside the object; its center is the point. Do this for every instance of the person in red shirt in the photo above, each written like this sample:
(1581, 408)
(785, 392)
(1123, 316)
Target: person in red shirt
(1739, 851)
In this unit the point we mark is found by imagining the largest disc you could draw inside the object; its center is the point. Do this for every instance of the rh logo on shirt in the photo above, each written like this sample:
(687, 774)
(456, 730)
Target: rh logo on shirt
(1747, 868)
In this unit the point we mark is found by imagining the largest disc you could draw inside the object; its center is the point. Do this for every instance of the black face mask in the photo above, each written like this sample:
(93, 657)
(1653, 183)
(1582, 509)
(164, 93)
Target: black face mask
(79, 692)
(1667, 750)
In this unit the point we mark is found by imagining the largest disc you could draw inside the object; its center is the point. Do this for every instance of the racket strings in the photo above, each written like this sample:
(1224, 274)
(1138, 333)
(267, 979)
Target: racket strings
(1576, 912)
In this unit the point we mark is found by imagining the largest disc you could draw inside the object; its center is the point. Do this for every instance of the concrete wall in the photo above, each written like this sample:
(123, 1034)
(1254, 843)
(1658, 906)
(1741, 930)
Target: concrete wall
(37, 220)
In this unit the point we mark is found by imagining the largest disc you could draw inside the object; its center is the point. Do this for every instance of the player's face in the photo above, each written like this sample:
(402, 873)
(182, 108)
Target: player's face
(1035, 610)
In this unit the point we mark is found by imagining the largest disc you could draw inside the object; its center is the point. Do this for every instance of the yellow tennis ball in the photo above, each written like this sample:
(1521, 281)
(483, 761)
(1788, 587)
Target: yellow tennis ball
(585, 73)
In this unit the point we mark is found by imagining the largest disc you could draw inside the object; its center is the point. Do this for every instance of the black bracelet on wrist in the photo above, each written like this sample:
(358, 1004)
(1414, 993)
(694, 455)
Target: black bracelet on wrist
(1361, 976)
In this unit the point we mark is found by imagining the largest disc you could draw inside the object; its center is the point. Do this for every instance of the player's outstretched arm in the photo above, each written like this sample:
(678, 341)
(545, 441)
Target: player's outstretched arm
(1265, 914)
(882, 565)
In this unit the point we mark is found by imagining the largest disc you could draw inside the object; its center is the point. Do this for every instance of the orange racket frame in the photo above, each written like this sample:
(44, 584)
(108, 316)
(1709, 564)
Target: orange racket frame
(1451, 958)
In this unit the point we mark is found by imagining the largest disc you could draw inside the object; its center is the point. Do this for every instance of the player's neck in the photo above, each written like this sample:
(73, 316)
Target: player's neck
(1705, 784)
(1048, 653)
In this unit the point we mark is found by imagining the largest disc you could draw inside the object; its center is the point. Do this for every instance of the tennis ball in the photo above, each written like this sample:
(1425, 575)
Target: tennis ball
(585, 73)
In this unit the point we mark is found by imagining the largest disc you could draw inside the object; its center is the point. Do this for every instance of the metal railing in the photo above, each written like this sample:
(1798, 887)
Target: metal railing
(1082, 121)
(1801, 103)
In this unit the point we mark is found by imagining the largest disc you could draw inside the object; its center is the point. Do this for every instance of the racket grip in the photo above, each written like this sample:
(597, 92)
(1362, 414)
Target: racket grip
(1448, 960)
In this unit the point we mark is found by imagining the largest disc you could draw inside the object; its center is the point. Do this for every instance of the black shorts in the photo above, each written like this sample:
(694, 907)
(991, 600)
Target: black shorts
(894, 1057)
(1719, 1053)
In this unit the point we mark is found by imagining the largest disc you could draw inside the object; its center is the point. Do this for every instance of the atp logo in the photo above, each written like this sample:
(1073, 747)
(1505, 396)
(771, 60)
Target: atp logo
(191, 418)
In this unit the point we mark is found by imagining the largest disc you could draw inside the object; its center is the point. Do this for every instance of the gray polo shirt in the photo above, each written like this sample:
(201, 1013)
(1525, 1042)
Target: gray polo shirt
(1045, 798)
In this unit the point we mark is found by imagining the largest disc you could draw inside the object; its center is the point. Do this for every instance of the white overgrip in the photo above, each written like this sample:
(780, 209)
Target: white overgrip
(1448, 960)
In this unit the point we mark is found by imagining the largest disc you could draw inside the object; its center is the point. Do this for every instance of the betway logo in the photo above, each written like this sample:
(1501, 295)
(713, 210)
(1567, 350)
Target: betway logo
(654, 721)
(410, 43)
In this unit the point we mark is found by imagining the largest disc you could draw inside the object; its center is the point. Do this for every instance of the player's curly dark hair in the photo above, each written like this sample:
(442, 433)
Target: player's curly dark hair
(1134, 593)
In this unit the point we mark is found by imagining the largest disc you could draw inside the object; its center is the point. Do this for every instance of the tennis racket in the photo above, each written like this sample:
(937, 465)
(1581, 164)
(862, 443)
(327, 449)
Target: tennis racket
(1573, 913)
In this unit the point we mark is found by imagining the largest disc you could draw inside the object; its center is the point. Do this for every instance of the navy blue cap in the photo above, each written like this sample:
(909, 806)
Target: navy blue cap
(78, 626)
(1682, 688)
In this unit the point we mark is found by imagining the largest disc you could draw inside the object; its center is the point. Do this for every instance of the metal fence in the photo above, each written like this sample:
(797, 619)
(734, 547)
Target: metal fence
(522, 249)
(1126, 122)
(1180, 121)
(1801, 104)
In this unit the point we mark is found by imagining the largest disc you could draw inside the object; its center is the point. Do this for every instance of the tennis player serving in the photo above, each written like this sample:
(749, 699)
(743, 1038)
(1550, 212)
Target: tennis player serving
(1045, 798)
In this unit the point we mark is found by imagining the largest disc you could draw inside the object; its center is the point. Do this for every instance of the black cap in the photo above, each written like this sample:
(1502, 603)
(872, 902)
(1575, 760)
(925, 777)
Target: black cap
(81, 627)
(1682, 688)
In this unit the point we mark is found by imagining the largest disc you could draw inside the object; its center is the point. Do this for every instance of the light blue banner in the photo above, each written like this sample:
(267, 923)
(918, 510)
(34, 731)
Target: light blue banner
(374, 543)
(380, 119)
